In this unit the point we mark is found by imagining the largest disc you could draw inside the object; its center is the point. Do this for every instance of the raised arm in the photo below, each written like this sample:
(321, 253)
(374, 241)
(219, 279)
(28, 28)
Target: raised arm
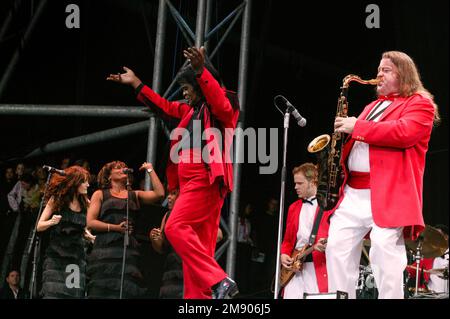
(127, 78)
(149, 97)
(157, 194)
(215, 95)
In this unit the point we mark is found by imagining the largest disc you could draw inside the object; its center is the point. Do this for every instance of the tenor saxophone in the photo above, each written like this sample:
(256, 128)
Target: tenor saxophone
(329, 151)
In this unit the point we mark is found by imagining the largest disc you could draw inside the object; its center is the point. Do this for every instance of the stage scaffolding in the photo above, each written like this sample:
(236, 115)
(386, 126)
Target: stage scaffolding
(149, 123)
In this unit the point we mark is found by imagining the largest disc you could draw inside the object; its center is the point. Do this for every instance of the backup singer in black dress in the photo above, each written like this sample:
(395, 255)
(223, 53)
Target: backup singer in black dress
(64, 265)
(107, 217)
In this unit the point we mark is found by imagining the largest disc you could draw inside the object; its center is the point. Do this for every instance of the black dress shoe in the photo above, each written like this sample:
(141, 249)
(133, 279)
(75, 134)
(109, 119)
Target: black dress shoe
(225, 288)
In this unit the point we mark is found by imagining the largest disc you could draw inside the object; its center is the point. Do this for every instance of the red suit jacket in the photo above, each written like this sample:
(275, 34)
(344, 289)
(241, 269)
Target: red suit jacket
(290, 239)
(398, 143)
(218, 109)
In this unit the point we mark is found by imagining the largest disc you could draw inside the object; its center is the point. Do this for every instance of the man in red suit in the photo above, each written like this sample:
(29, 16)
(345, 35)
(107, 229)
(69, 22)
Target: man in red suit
(384, 162)
(200, 166)
(301, 218)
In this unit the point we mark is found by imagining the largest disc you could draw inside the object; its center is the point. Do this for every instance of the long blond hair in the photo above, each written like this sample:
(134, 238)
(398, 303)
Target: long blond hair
(409, 79)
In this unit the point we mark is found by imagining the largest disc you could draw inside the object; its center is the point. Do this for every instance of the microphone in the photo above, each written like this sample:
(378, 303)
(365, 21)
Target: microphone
(301, 121)
(128, 170)
(54, 170)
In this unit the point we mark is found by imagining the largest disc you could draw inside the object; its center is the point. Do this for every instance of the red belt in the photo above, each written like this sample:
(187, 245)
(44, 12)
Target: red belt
(359, 180)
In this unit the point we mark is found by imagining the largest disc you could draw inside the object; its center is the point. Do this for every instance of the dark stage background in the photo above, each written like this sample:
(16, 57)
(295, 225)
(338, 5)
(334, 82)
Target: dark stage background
(299, 49)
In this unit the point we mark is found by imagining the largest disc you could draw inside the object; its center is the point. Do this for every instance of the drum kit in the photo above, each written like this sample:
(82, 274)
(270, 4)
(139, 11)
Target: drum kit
(366, 287)
(430, 244)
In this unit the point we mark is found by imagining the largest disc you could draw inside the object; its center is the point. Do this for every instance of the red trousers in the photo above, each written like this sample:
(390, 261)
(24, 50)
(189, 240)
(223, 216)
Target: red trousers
(192, 229)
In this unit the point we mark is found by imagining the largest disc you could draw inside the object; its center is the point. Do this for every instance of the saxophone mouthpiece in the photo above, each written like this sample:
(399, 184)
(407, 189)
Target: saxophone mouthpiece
(352, 77)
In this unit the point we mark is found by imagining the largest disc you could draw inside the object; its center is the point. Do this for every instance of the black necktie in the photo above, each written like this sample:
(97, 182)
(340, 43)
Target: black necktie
(377, 111)
(306, 201)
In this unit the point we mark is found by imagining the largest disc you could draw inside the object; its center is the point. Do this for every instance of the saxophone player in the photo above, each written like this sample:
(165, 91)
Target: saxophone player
(383, 162)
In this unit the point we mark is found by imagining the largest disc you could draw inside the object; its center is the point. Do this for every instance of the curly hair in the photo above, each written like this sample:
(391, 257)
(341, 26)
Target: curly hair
(63, 188)
(103, 176)
(187, 75)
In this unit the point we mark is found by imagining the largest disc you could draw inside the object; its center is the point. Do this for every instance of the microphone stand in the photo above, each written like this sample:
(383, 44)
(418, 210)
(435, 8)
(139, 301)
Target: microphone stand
(280, 221)
(418, 257)
(126, 239)
(37, 244)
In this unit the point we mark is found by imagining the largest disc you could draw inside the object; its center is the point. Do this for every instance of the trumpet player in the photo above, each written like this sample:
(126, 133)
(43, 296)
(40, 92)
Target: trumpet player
(383, 162)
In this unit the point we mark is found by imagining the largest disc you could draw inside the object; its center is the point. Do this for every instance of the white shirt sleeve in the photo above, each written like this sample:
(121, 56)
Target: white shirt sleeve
(15, 197)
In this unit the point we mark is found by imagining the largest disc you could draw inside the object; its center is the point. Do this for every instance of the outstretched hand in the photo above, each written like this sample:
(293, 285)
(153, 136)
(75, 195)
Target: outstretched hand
(128, 78)
(197, 58)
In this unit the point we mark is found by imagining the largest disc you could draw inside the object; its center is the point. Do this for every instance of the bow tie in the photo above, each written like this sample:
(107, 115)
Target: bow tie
(306, 201)
(389, 97)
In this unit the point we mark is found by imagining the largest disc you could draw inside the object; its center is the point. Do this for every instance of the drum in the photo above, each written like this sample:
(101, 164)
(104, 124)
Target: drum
(366, 287)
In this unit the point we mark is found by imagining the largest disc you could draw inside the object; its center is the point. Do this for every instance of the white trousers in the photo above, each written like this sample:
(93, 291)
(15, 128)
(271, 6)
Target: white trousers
(304, 281)
(348, 226)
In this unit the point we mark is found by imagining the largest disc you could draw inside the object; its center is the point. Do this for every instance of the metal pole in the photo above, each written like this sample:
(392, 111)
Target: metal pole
(156, 84)
(209, 6)
(182, 25)
(89, 139)
(74, 110)
(234, 206)
(8, 19)
(34, 239)
(15, 59)
(235, 15)
(282, 192)
(225, 35)
(230, 16)
(200, 24)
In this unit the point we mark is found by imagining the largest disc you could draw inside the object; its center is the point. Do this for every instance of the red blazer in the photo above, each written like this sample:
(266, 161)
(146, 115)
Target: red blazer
(398, 143)
(290, 239)
(219, 109)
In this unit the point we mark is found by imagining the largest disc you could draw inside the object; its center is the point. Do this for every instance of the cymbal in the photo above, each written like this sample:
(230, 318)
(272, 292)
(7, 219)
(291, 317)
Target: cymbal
(434, 243)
